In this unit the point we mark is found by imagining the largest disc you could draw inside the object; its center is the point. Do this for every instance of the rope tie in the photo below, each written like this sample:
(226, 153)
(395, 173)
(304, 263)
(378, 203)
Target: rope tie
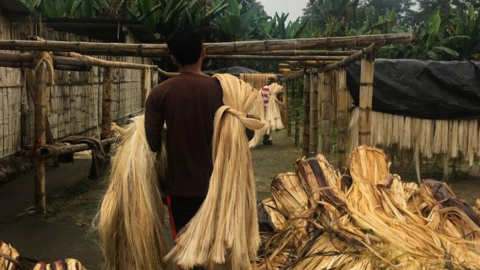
(46, 58)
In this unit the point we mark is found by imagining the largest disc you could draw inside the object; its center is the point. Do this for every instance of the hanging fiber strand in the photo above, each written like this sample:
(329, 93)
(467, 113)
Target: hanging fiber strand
(224, 232)
(131, 217)
(258, 110)
(273, 116)
(439, 138)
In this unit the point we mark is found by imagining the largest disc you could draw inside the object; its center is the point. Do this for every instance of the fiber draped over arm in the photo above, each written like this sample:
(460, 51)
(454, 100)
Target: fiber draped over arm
(224, 232)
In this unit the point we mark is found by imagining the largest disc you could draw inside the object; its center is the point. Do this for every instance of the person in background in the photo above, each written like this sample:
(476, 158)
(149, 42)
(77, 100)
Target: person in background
(267, 139)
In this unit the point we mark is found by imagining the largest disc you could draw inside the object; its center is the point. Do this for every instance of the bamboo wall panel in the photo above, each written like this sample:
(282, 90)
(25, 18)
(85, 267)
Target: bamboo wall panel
(73, 102)
(11, 92)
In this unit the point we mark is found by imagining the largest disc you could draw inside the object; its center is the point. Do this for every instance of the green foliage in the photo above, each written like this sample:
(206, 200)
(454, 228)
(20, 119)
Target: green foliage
(233, 25)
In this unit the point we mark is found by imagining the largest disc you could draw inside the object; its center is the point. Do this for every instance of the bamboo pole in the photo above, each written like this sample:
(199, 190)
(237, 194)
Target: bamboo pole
(107, 103)
(326, 112)
(60, 149)
(366, 96)
(237, 47)
(290, 94)
(313, 113)
(306, 113)
(342, 118)
(296, 75)
(143, 90)
(310, 63)
(298, 94)
(106, 63)
(164, 73)
(275, 57)
(25, 60)
(40, 102)
(354, 57)
(303, 52)
(286, 97)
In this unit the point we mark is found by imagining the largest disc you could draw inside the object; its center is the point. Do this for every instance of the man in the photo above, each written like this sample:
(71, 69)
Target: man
(187, 103)
(267, 140)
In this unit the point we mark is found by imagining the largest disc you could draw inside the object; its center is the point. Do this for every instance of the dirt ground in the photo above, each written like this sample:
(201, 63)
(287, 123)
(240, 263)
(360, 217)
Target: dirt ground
(75, 205)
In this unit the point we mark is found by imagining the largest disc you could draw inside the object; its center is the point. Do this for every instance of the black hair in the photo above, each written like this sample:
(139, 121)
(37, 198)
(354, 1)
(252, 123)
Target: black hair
(185, 44)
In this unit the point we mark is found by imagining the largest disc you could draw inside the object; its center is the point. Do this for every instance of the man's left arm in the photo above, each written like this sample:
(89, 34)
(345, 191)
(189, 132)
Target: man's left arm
(154, 121)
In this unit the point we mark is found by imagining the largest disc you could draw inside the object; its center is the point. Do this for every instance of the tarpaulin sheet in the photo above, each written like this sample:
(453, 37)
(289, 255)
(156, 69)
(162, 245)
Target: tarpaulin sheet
(423, 89)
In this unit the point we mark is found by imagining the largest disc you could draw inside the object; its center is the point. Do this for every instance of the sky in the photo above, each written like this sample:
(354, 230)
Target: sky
(293, 7)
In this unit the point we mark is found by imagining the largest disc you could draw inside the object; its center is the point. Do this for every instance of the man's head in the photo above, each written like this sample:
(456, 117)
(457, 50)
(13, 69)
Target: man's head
(185, 45)
(270, 80)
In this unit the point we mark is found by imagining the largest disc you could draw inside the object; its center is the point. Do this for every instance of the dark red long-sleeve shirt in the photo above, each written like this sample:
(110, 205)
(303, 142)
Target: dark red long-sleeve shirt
(187, 103)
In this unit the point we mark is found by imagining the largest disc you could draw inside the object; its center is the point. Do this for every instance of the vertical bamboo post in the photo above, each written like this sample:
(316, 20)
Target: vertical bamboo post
(107, 102)
(154, 78)
(366, 96)
(313, 112)
(306, 113)
(285, 105)
(296, 99)
(40, 138)
(144, 90)
(326, 112)
(342, 117)
(321, 76)
(290, 93)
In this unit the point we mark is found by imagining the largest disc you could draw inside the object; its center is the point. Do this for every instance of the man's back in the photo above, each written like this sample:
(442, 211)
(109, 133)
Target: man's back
(187, 103)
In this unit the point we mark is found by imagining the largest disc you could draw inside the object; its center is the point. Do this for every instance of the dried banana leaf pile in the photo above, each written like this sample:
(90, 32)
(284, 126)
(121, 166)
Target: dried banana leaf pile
(10, 259)
(365, 218)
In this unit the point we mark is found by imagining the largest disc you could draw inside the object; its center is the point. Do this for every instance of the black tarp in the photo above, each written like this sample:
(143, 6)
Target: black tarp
(423, 89)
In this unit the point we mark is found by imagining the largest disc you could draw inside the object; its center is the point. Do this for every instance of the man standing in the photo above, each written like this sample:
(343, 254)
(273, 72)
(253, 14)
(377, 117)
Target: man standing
(187, 104)
(267, 140)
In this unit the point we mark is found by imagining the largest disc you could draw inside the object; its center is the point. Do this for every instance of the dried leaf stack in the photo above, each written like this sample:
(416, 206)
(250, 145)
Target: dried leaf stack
(367, 218)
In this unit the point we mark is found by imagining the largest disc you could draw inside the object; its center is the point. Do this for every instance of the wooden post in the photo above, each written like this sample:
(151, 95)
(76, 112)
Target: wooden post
(40, 102)
(144, 90)
(306, 113)
(313, 112)
(326, 112)
(107, 102)
(290, 93)
(296, 99)
(286, 97)
(342, 117)
(366, 96)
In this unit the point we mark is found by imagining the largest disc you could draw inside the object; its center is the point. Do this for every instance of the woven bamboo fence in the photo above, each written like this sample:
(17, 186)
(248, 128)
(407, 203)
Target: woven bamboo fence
(74, 101)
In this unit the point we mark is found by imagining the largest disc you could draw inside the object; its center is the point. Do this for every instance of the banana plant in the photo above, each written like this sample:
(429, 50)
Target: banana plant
(234, 25)
(60, 8)
(466, 30)
(277, 28)
(201, 15)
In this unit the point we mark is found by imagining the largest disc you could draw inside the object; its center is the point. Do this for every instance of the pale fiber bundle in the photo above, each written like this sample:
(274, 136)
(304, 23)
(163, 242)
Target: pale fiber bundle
(273, 115)
(131, 217)
(258, 110)
(224, 232)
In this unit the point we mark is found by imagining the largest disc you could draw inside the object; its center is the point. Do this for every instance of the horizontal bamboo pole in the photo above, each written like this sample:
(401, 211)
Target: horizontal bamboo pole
(303, 52)
(296, 75)
(354, 57)
(93, 48)
(311, 63)
(106, 63)
(167, 74)
(25, 60)
(60, 149)
(274, 57)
